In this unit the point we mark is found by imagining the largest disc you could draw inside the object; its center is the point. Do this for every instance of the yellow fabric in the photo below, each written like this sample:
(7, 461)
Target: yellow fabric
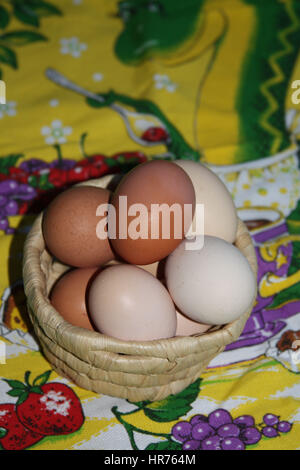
(196, 93)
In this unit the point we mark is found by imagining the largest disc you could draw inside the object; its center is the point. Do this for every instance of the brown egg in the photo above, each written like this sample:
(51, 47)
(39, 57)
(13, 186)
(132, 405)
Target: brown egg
(68, 296)
(70, 227)
(188, 327)
(139, 235)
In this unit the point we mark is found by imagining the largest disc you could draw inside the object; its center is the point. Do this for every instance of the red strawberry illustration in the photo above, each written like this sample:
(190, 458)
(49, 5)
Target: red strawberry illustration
(58, 177)
(79, 173)
(47, 408)
(13, 435)
(97, 170)
(155, 134)
(97, 160)
(18, 174)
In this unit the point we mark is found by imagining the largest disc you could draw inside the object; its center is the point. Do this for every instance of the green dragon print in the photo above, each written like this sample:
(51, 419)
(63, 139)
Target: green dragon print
(258, 70)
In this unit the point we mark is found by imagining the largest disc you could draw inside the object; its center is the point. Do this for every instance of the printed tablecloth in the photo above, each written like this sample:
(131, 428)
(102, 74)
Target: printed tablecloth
(207, 80)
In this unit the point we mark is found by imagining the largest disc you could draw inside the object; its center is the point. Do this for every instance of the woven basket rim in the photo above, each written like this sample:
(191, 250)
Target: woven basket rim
(56, 328)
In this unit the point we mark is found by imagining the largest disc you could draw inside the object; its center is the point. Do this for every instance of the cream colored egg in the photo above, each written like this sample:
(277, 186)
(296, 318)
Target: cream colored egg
(156, 269)
(129, 303)
(188, 327)
(220, 215)
(214, 285)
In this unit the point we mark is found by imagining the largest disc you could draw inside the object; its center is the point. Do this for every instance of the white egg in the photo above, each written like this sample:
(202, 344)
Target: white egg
(214, 285)
(129, 303)
(220, 215)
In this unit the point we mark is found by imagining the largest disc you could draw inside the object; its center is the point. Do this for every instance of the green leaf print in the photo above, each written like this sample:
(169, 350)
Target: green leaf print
(42, 379)
(169, 409)
(42, 8)
(24, 13)
(174, 406)
(165, 445)
(295, 263)
(28, 12)
(8, 161)
(4, 17)
(8, 57)
(293, 292)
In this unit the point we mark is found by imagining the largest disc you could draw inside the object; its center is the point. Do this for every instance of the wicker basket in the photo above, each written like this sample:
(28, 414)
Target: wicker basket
(149, 370)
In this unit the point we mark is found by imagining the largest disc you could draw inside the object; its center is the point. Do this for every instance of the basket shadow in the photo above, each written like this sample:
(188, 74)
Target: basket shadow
(15, 314)
(14, 307)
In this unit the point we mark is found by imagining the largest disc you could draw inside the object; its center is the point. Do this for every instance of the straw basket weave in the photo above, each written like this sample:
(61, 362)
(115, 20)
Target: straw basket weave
(149, 370)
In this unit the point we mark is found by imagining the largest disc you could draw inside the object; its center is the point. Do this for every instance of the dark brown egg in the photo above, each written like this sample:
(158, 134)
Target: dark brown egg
(138, 234)
(70, 227)
(68, 296)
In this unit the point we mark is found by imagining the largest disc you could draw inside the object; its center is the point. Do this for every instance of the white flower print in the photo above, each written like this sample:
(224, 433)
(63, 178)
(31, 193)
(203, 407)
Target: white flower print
(72, 46)
(8, 109)
(164, 82)
(54, 102)
(97, 77)
(56, 133)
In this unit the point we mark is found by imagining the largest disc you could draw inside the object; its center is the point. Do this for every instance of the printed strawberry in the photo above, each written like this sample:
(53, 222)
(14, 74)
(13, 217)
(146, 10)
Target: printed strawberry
(79, 173)
(58, 177)
(18, 174)
(98, 170)
(91, 160)
(125, 161)
(155, 134)
(47, 408)
(95, 164)
(13, 435)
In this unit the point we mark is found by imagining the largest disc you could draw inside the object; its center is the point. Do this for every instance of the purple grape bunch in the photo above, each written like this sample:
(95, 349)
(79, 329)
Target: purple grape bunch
(220, 431)
(11, 193)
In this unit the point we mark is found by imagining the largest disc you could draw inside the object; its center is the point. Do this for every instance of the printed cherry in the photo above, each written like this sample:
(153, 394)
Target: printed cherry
(155, 134)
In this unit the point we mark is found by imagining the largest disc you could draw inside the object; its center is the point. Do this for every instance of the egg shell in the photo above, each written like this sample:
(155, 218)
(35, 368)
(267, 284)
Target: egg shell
(214, 285)
(188, 327)
(68, 296)
(156, 269)
(154, 182)
(220, 215)
(128, 303)
(70, 227)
